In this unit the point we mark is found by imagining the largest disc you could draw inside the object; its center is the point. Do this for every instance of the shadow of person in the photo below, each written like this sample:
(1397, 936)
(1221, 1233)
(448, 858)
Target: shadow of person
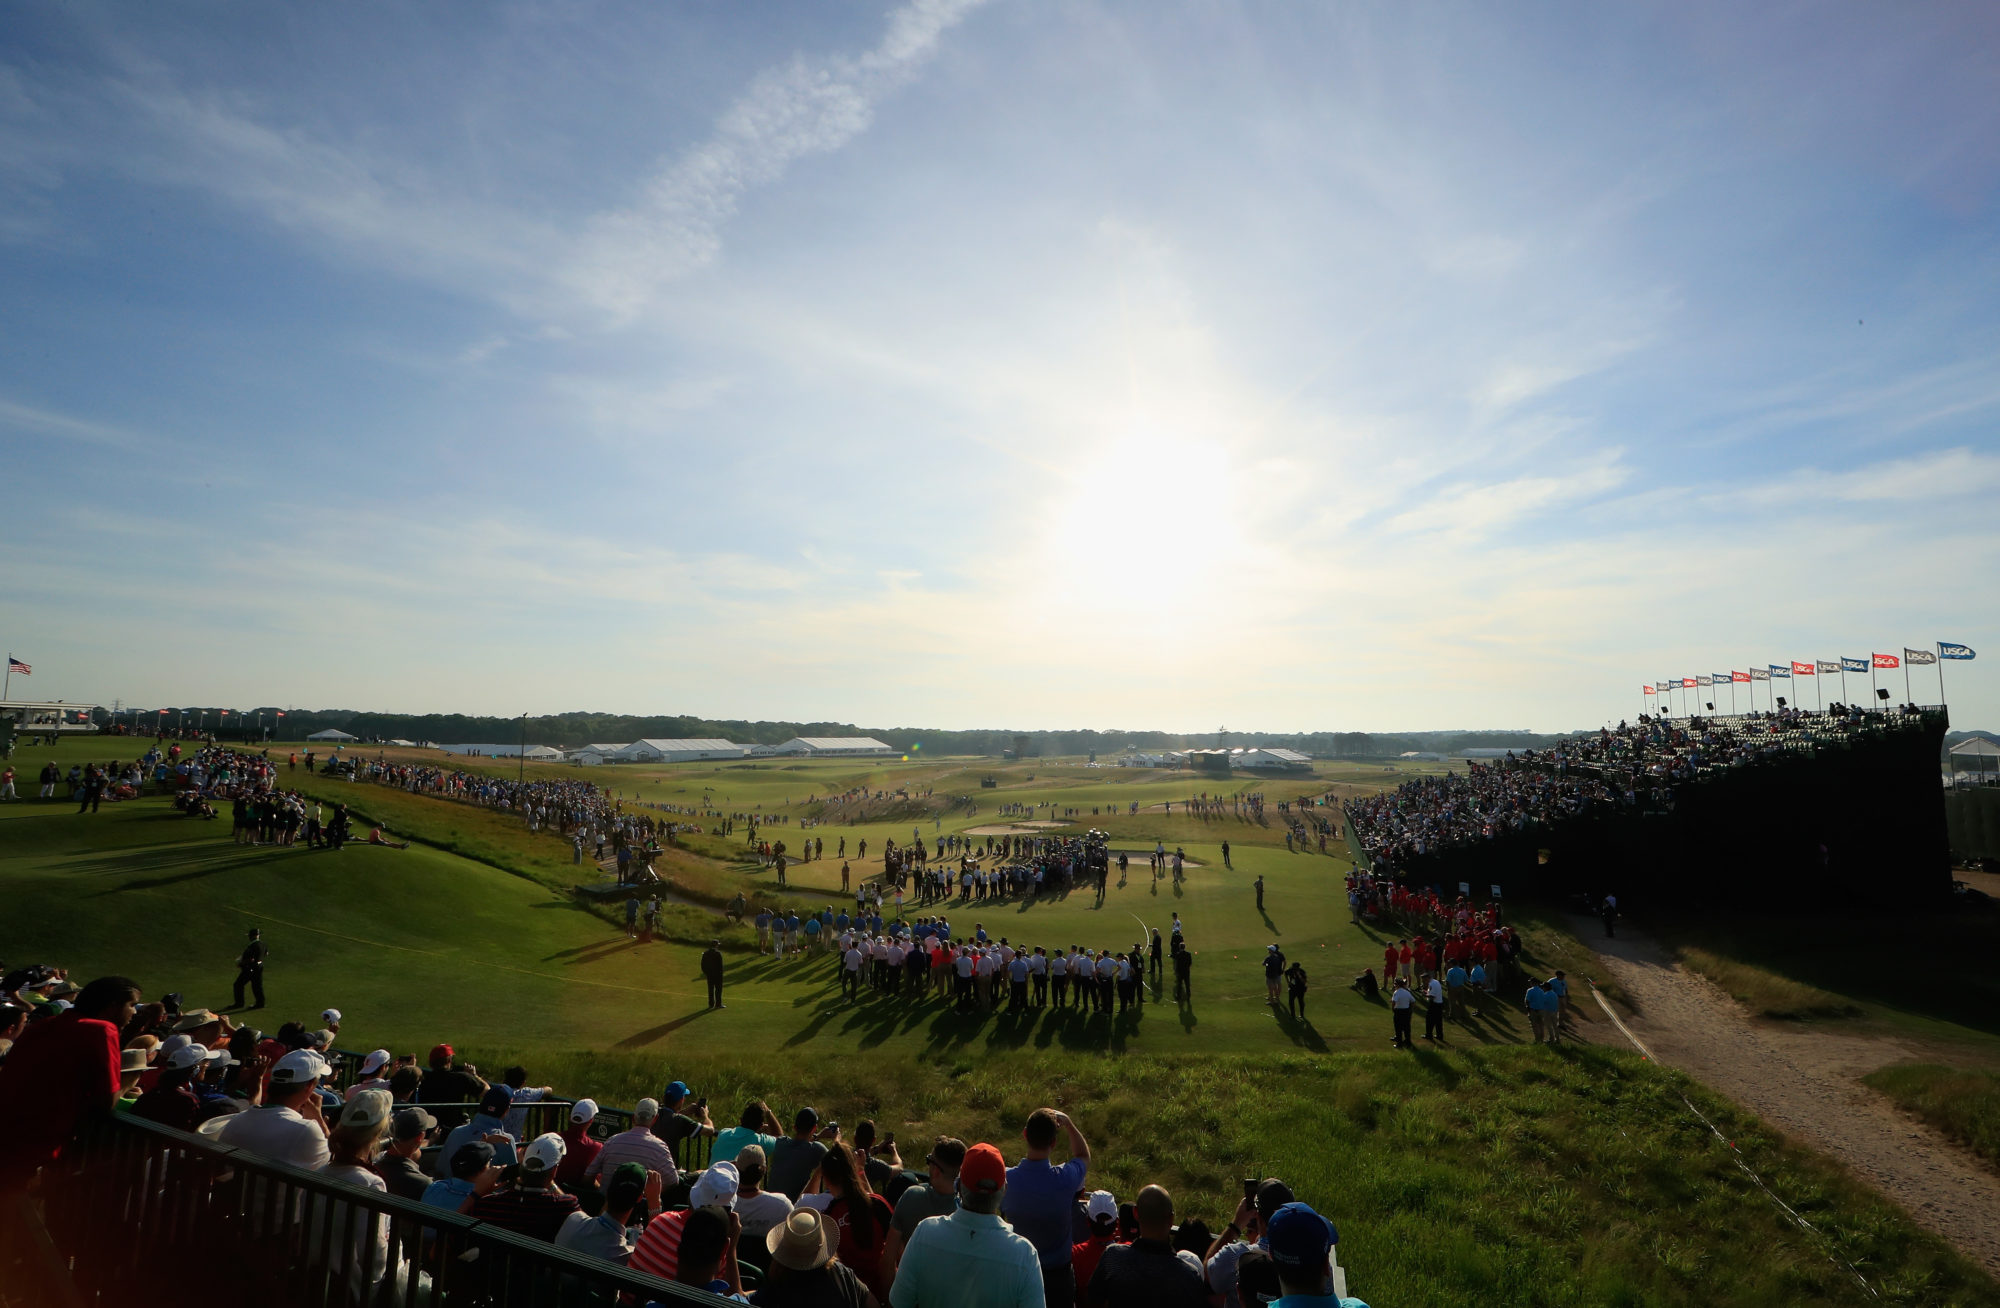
(1300, 1031)
(1269, 925)
(639, 1039)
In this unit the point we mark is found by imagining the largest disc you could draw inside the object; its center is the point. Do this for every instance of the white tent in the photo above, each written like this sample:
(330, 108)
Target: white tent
(1975, 747)
(825, 746)
(331, 735)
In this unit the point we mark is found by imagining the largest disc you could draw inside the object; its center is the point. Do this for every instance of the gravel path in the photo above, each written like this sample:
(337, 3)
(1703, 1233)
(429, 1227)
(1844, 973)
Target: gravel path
(1806, 1083)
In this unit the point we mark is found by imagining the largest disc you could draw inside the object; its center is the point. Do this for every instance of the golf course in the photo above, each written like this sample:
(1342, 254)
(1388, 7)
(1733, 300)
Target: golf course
(1484, 1168)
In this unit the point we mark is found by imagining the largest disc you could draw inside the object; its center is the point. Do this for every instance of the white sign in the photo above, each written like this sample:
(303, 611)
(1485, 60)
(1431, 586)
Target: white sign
(1465, 887)
(1496, 891)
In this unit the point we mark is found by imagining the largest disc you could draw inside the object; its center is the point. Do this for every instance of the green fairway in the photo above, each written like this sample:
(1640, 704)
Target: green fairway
(1492, 1171)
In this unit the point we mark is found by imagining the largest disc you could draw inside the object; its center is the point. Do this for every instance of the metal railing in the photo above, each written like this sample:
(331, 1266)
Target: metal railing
(135, 1212)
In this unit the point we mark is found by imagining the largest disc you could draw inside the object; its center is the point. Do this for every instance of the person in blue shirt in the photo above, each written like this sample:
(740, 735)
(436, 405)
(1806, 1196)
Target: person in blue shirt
(840, 921)
(763, 929)
(469, 1168)
(1040, 1200)
(1560, 984)
(1479, 977)
(1301, 1244)
(812, 935)
(1454, 984)
(488, 1125)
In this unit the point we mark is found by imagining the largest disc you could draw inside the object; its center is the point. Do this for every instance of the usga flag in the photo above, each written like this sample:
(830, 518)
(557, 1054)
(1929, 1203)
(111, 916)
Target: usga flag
(1918, 658)
(1829, 665)
(1853, 665)
(1760, 674)
(1948, 650)
(1687, 683)
(1802, 669)
(1647, 690)
(1722, 678)
(1704, 681)
(1739, 676)
(1887, 661)
(1780, 670)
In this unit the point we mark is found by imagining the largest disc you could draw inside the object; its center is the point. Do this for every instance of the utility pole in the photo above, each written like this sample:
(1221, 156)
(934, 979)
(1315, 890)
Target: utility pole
(521, 773)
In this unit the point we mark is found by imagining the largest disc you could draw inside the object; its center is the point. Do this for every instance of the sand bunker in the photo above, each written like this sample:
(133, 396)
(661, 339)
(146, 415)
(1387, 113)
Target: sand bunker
(1031, 828)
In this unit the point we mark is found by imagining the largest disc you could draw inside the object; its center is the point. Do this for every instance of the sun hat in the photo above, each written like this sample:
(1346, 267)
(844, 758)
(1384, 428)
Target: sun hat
(983, 1170)
(133, 1060)
(369, 1108)
(583, 1111)
(799, 1242)
(715, 1187)
(1300, 1237)
(543, 1153)
(194, 1019)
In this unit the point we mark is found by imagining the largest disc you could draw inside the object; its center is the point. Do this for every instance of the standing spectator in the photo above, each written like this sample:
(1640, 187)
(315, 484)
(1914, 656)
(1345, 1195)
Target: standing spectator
(1149, 1272)
(1041, 1199)
(1243, 1235)
(1101, 1212)
(60, 1070)
(637, 1145)
(1399, 1006)
(970, 1259)
(1274, 971)
(860, 1217)
(757, 1126)
(1434, 1008)
(935, 1196)
(446, 1084)
(796, 1157)
(711, 971)
(250, 969)
(532, 1205)
(521, 1094)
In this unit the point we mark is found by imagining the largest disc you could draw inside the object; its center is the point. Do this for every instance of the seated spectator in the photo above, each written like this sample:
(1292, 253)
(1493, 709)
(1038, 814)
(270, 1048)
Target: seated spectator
(1149, 1272)
(372, 1074)
(760, 1209)
(532, 1205)
(291, 1125)
(1244, 1233)
(351, 1149)
(935, 1196)
(708, 1252)
(409, 1131)
(1101, 1212)
(13, 1021)
(637, 1145)
(472, 1172)
(445, 1084)
(804, 1272)
(516, 1081)
(970, 1257)
(681, 1116)
(133, 1065)
(612, 1234)
(171, 1101)
(658, 1250)
(579, 1150)
(487, 1124)
(1301, 1244)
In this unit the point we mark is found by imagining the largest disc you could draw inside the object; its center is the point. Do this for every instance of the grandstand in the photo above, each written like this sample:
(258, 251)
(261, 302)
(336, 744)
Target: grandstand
(1834, 810)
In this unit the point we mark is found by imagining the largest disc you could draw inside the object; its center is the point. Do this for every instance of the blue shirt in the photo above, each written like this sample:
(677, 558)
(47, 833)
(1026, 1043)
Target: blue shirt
(812, 926)
(465, 1133)
(1455, 977)
(841, 921)
(1040, 1202)
(448, 1193)
(1559, 985)
(1479, 974)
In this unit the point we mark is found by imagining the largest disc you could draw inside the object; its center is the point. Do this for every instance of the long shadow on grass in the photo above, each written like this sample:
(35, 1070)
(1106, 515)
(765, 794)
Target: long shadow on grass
(217, 862)
(1300, 1031)
(639, 1039)
(160, 859)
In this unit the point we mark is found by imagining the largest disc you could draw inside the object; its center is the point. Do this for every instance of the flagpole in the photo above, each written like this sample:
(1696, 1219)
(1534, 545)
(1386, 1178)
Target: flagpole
(1843, 681)
(1908, 694)
(1872, 687)
(1940, 667)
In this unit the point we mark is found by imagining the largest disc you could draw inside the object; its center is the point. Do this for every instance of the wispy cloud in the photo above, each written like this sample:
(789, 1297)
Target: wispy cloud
(48, 422)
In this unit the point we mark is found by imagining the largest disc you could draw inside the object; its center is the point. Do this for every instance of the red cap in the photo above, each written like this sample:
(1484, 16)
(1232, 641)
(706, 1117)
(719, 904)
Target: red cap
(441, 1053)
(983, 1169)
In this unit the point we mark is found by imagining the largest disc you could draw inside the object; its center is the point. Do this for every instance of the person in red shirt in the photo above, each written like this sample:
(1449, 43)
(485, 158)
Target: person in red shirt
(1102, 1210)
(60, 1070)
(579, 1149)
(1405, 956)
(1388, 962)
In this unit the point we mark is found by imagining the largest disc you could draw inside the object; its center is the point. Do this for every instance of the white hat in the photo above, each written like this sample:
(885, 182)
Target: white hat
(298, 1067)
(715, 1187)
(1102, 1204)
(543, 1153)
(582, 1111)
(331, 1017)
(187, 1056)
(222, 1058)
(646, 1110)
(369, 1108)
(172, 1043)
(377, 1060)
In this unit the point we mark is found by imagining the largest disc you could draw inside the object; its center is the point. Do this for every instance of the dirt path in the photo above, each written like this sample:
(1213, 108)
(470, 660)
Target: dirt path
(1806, 1083)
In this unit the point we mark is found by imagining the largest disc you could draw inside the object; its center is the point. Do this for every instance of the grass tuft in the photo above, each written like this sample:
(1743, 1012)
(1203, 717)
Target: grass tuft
(1962, 1102)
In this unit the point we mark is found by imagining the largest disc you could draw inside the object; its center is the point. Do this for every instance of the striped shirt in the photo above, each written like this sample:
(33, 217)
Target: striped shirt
(659, 1249)
(638, 1145)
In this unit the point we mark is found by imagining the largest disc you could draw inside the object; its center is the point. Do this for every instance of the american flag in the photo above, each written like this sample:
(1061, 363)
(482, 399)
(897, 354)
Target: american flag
(15, 665)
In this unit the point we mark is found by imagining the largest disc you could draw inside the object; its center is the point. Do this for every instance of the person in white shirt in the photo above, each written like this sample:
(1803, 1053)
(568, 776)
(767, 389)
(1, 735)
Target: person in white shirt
(850, 972)
(291, 1126)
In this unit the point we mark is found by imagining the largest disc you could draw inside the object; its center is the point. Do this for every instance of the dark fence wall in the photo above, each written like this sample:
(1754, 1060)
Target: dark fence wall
(1857, 825)
(1972, 818)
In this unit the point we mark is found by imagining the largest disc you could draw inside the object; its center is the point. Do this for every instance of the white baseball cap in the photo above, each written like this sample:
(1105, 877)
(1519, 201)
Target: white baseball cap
(715, 1187)
(299, 1067)
(543, 1153)
(646, 1110)
(582, 1111)
(377, 1060)
(1102, 1204)
(187, 1056)
(172, 1043)
(331, 1017)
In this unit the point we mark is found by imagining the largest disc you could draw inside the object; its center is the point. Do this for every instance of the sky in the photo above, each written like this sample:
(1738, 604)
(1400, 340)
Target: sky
(1009, 364)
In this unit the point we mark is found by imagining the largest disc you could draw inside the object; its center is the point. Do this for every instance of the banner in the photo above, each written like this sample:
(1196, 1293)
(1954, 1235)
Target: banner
(1760, 674)
(1722, 678)
(1829, 666)
(1951, 651)
(1887, 661)
(1802, 669)
(1918, 658)
(1647, 690)
(1704, 681)
(1687, 683)
(1853, 665)
(1780, 671)
(1739, 676)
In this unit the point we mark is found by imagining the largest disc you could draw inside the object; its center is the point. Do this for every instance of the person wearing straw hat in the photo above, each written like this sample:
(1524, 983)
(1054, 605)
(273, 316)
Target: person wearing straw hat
(804, 1272)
